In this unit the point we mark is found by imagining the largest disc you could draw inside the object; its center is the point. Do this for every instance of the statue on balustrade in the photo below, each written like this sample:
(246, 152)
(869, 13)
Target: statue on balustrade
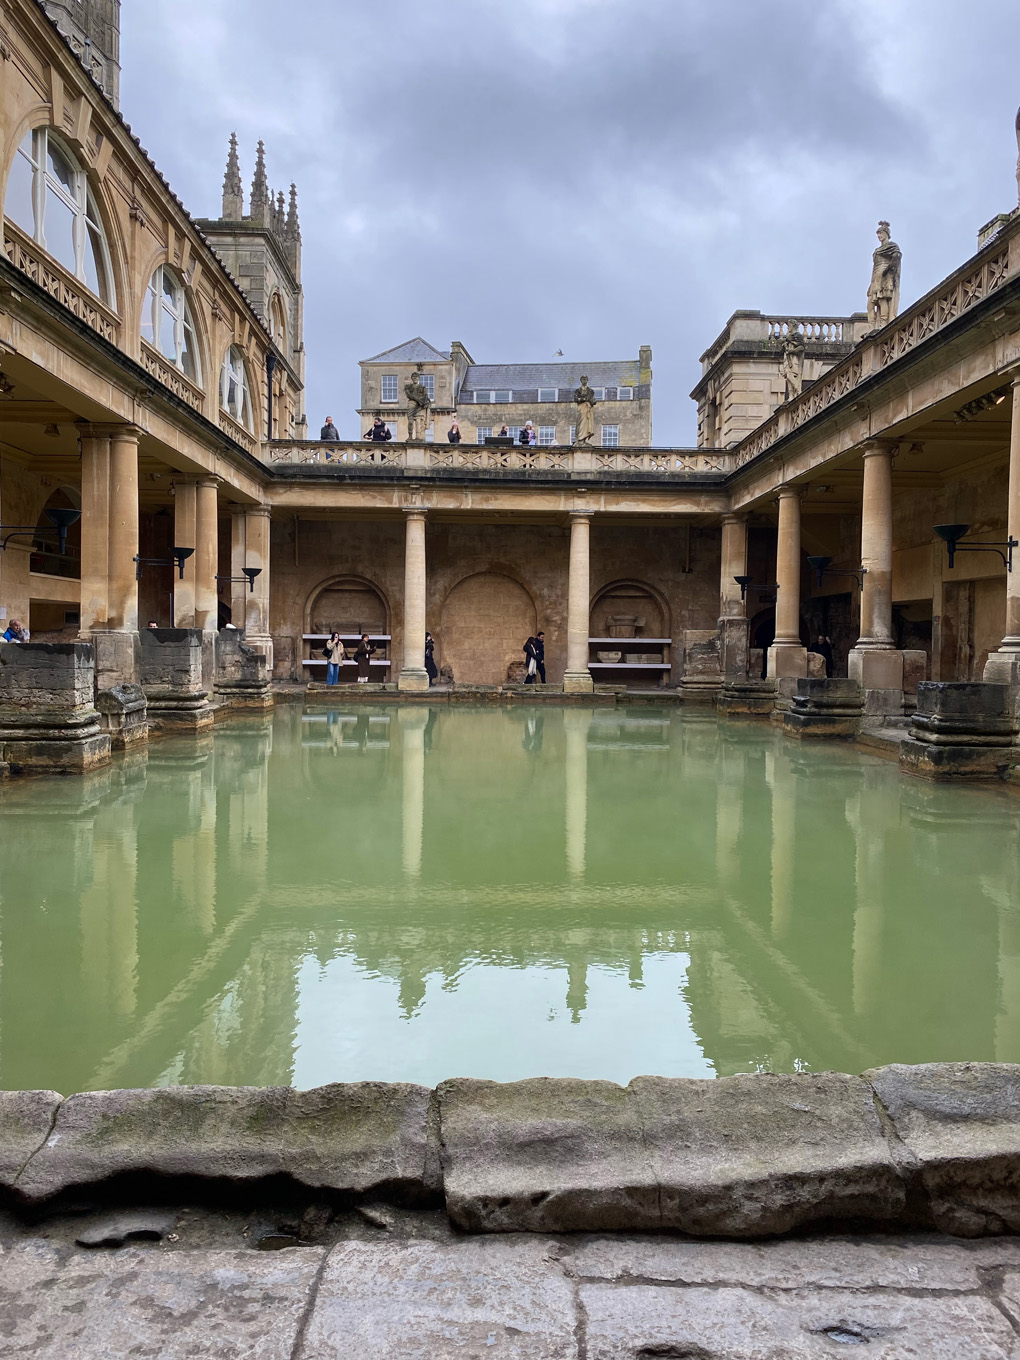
(791, 366)
(418, 403)
(586, 400)
(884, 289)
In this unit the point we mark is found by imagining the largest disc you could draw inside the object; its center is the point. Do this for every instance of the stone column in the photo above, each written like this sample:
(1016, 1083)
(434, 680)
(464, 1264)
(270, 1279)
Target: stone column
(733, 624)
(95, 529)
(787, 656)
(413, 675)
(256, 602)
(206, 554)
(874, 661)
(1003, 666)
(577, 677)
(185, 532)
(238, 585)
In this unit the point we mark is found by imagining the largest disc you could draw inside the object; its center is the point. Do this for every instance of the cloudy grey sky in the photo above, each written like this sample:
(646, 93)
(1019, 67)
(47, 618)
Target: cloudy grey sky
(584, 175)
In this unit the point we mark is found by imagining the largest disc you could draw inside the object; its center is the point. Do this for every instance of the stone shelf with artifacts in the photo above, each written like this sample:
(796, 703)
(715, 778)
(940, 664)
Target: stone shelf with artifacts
(632, 657)
(316, 641)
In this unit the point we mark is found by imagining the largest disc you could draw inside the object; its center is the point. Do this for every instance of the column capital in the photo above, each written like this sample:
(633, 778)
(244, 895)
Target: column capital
(415, 511)
(735, 517)
(261, 511)
(789, 492)
(872, 447)
(105, 430)
(210, 479)
(579, 515)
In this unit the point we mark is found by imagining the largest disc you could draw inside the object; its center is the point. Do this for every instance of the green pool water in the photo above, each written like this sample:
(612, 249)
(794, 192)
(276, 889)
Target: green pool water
(414, 893)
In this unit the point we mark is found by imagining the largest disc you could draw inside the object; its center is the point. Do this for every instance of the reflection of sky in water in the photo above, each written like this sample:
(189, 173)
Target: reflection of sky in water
(511, 1020)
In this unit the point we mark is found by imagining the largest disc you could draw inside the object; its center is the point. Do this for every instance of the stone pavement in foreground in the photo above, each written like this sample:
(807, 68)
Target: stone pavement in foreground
(528, 1296)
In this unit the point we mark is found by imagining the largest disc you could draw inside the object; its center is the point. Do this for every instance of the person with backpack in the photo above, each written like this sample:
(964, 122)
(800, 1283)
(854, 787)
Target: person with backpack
(335, 656)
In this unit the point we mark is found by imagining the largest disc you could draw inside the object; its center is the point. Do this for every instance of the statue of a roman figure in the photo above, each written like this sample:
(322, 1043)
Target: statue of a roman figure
(586, 400)
(791, 365)
(884, 289)
(418, 404)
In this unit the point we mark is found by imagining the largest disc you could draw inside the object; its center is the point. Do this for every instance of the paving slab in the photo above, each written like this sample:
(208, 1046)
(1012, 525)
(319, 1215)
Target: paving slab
(220, 1305)
(644, 1321)
(503, 1298)
(823, 1262)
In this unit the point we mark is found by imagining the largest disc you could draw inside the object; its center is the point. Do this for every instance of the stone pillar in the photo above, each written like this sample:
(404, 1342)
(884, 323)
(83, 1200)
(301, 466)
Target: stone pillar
(961, 730)
(206, 557)
(185, 534)
(874, 662)
(256, 602)
(577, 677)
(412, 737)
(413, 675)
(238, 585)
(787, 656)
(48, 717)
(576, 724)
(733, 623)
(1003, 666)
(95, 529)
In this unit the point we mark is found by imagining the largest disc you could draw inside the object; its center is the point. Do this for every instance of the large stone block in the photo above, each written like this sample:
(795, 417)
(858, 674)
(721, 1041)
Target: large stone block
(123, 714)
(701, 661)
(824, 708)
(961, 730)
(26, 1118)
(746, 698)
(351, 1138)
(242, 675)
(960, 1123)
(48, 718)
(172, 678)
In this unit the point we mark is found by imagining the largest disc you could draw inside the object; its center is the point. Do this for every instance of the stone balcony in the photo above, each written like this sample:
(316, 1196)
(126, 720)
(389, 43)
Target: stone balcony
(360, 459)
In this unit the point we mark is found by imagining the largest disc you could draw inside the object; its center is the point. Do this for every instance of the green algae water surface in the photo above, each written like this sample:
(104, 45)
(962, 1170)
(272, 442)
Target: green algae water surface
(411, 893)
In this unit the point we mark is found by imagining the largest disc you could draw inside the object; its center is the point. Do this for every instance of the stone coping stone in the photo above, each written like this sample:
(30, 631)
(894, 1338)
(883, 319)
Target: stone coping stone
(351, 1139)
(960, 1125)
(741, 1156)
(26, 1118)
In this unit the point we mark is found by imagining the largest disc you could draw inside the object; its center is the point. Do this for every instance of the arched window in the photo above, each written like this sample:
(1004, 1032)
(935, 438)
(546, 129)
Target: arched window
(48, 196)
(235, 394)
(277, 322)
(167, 323)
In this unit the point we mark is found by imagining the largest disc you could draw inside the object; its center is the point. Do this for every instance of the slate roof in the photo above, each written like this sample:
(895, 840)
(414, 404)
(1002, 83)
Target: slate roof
(416, 351)
(530, 377)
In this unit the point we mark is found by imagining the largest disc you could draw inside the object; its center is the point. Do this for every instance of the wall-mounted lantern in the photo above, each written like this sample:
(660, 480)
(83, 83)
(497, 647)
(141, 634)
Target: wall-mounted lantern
(821, 566)
(951, 534)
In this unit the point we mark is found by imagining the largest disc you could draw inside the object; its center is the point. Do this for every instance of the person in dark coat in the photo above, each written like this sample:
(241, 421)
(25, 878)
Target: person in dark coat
(453, 433)
(329, 430)
(823, 647)
(531, 659)
(379, 434)
(540, 656)
(430, 660)
(363, 656)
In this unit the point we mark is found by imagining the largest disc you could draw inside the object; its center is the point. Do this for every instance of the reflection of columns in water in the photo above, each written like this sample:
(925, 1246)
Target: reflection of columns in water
(109, 915)
(193, 856)
(731, 775)
(577, 989)
(865, 815)
(576, 723)
(784, 842)
(412, 738)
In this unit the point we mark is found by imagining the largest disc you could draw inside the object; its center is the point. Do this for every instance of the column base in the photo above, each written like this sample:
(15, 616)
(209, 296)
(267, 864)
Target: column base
(742, 698)
(962, 730)
(824, 708)
(413, 679)
(787, 661)
(876, 667)
(123, 715)
(578, 682)
(118, 659)
(1002, 668)
(56, 755)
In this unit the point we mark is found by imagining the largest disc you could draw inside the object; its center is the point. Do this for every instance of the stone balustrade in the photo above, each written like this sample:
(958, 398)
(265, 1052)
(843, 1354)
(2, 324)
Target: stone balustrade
(355, 456)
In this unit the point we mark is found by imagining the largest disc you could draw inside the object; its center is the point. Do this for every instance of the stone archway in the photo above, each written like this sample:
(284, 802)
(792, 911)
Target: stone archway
(485, 621)
(347, 604)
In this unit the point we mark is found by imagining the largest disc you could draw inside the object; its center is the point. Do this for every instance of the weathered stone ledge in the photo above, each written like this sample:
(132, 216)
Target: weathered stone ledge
(934, 1146)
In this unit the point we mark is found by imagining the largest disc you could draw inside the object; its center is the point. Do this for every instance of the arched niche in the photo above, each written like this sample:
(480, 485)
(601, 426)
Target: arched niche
(347, 604)
(633, 606)
(486, 619)
(46, 556)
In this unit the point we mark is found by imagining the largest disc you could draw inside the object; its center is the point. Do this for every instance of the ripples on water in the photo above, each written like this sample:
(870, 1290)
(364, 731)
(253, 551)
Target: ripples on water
(414, 893)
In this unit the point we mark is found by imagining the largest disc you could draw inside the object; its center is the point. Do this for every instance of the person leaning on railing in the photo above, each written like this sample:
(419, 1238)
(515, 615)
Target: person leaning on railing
(379, 433)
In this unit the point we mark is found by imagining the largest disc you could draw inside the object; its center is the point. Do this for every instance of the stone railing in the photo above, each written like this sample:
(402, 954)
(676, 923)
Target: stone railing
(171, 377)
(237, 433)
(68, 291)
(423, 458)
(938, 308)
(829, 330)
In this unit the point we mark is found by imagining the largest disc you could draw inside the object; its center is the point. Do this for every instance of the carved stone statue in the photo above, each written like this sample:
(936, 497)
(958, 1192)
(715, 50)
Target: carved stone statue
(884, 289)
(586, 401)
(418, 403)
(792, 363)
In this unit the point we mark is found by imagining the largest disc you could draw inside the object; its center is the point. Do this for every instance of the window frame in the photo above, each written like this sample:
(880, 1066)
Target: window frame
(483, 433)
(88, 232)
(229, 369)
(620, 391)
(384, 378)
(428, 381)
(613, 433)
(543, 391)
(543, 441)
(185, 331)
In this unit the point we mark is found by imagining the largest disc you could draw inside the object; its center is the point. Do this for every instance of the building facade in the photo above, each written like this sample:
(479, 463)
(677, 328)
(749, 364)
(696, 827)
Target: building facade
(147, 385)
(482, 398)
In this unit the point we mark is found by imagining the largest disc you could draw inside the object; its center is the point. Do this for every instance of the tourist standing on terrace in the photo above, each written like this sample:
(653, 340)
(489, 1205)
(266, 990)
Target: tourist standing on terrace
(329, 430)
(335, 657)
(363, 656)
(453, 433)
(379, 433)
(540, 656)
(531, 658)
(430, 660)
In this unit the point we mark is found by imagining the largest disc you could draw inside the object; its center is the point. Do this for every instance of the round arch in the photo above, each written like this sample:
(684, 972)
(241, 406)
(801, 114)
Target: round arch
(630, 603)
(484, 622)
(199, 325)
(236, 356)
(346, 604)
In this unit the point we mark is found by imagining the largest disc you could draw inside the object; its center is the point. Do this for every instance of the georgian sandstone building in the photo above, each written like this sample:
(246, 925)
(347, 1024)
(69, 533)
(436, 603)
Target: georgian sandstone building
(152, 378)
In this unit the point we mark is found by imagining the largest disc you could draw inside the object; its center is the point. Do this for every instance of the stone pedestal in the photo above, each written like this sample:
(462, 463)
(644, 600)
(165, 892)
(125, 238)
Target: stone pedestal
(123, 714)
(961, 731)
(48, 718)
(825, 708)
(879, 672)
(746, 698)
(787, 662)
(242, 679)
(702, 673)
(734, 637)
(117, 658)
(172, 679)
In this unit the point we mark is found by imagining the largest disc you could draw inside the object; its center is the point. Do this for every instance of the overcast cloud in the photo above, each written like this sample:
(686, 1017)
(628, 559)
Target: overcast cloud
(584, 175)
